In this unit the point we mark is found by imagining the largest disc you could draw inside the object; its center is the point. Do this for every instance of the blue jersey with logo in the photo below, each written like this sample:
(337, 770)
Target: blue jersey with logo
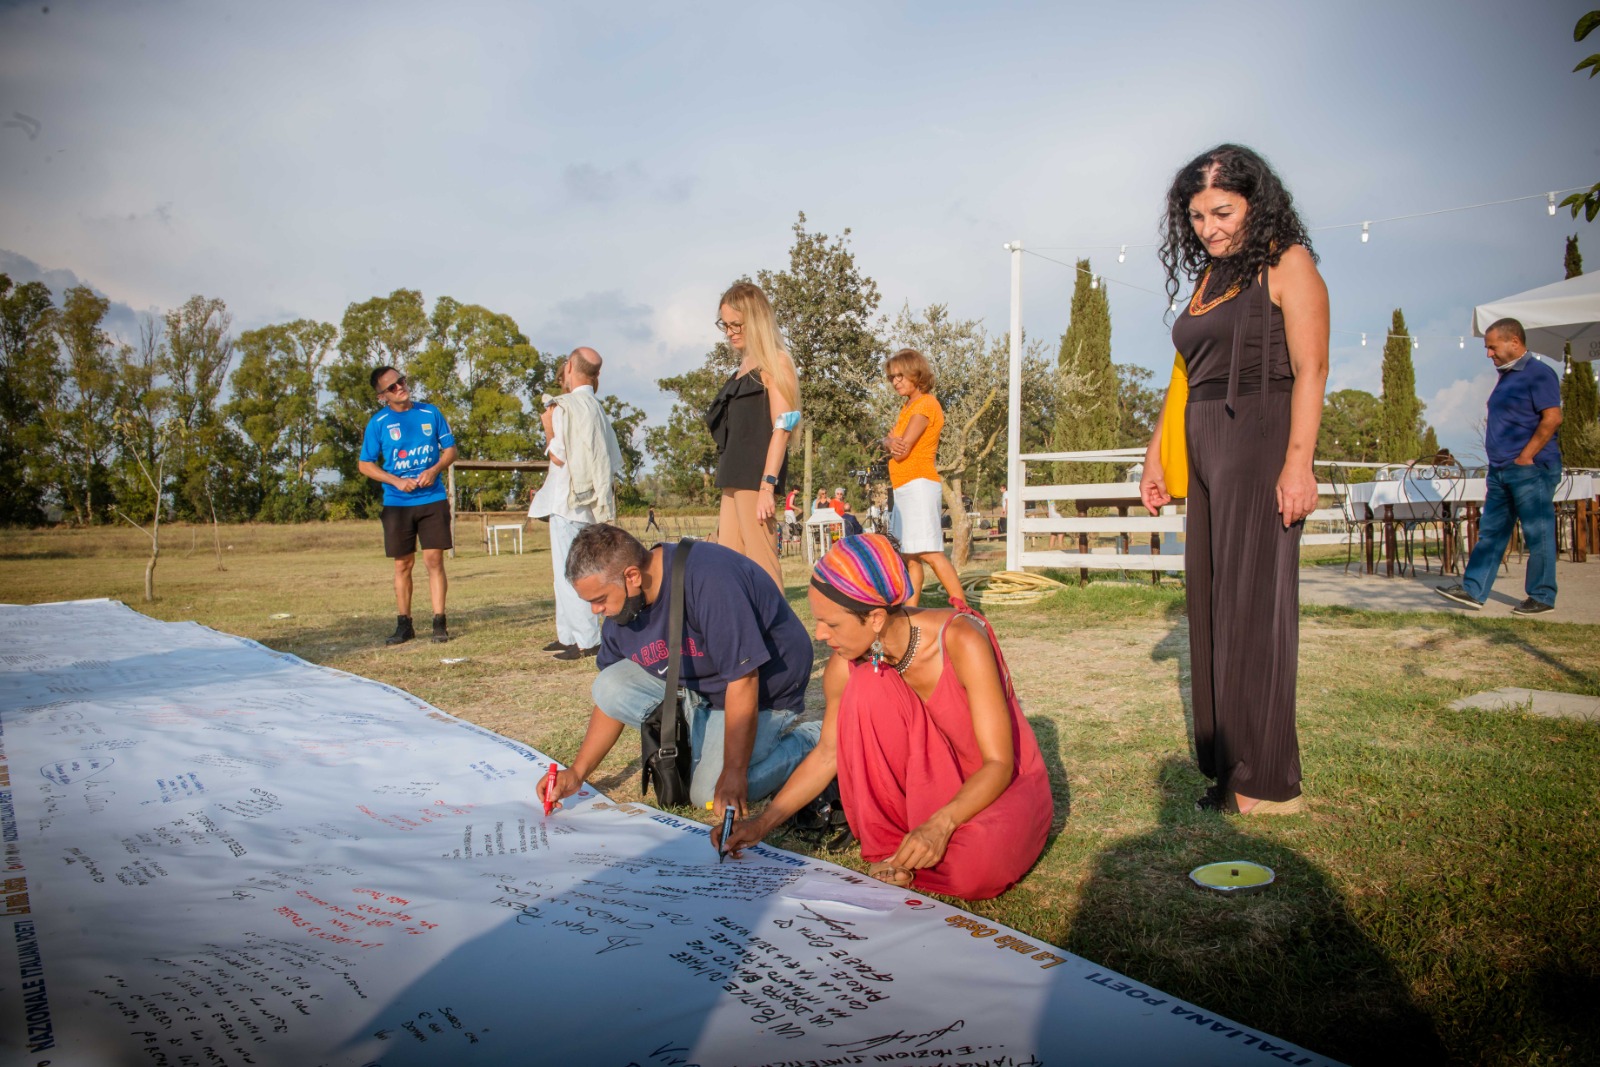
(405, 443)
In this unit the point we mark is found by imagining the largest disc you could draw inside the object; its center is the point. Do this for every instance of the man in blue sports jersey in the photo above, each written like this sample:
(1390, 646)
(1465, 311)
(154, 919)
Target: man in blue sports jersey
(407, 446)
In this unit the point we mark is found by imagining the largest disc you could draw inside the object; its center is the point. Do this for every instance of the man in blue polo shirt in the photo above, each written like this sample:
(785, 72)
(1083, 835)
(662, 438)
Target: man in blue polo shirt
(745, 662)
(1524, 471)
(407, 447)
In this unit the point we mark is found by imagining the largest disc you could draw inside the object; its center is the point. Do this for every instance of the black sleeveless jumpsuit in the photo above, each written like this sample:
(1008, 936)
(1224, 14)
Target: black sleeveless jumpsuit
(1243, 579)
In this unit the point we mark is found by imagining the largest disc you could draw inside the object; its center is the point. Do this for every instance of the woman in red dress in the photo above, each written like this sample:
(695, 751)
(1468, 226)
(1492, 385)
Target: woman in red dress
(940, 774)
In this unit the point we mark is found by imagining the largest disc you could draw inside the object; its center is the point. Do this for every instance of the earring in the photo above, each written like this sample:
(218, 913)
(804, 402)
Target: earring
(876, 654)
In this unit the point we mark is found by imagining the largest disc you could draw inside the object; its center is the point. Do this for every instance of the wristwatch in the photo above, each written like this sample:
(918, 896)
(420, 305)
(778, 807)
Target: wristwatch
(770, 479)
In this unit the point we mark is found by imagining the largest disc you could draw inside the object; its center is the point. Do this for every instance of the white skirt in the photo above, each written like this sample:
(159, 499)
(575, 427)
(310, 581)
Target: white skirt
(915, 518)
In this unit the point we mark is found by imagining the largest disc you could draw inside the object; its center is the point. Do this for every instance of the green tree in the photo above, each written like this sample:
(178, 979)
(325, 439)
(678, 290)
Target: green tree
(302, 348)
(253, 410)
(275, 408)
(1580, 436)
(684, 453)
(476, 367)
(1349, 429)
(384, 331)
(1430, 442)
(1088, 415)
(1138, 405)
(825, 305)
(197, 355)
(626, 423)
(166, 436)
(1587, 202)
(1400, 416)
(141, 406)
(80, 417)
(29, 377)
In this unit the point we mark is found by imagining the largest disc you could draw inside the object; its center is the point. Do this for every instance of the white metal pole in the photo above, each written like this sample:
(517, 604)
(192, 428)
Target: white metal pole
(1014, 419)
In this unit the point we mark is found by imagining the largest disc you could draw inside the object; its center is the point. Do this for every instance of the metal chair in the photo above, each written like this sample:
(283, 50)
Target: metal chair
(1430, 485)
(1358, 518)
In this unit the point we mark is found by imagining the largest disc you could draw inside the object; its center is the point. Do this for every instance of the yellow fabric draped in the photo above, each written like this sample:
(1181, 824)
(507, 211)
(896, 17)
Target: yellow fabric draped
(1174, 443)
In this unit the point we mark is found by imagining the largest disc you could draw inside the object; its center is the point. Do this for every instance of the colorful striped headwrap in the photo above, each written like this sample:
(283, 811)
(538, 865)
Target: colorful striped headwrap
(862, 573)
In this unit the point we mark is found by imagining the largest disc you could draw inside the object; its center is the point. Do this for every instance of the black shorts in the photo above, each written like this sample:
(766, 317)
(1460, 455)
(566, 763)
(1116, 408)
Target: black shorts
(403, 527)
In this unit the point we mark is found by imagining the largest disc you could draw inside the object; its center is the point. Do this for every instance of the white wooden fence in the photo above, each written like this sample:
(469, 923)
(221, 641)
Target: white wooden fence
(1144, 542)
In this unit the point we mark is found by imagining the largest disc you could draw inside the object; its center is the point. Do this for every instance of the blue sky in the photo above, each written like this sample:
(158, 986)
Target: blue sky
(602, 174)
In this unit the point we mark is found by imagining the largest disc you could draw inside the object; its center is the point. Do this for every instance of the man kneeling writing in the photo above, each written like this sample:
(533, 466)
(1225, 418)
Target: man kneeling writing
(745, 663)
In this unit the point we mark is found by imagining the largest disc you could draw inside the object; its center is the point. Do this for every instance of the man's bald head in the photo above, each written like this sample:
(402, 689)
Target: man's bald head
(585, 364)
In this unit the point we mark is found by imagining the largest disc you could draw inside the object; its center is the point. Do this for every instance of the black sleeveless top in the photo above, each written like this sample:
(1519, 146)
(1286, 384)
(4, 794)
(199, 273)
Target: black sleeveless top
(740, 421)
(1208, 343)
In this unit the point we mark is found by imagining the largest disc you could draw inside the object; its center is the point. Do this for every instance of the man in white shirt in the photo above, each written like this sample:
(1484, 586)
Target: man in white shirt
(577, 491)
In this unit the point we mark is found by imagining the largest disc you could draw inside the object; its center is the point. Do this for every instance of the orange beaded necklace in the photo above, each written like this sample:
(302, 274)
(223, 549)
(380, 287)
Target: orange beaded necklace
(1197, 307)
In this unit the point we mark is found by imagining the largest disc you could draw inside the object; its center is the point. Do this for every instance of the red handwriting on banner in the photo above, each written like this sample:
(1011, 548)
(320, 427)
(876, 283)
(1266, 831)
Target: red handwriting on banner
(409, 923)
(422, 817)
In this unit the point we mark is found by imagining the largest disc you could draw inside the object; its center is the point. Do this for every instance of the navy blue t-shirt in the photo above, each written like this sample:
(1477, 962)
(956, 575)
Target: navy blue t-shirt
(405, 443)
(1514, 406)
(736, 622)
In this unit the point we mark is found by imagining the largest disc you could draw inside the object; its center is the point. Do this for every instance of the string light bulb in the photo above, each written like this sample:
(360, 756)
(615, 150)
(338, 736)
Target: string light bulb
(1363, 340)
(1416, 343)
(1122, 256)
(1094, 283)
(1463, 341)
(1366, 232)
(1550, 205)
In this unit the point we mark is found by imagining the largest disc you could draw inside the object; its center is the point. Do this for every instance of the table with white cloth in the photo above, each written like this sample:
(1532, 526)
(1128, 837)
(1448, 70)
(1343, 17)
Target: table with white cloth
(1457, 502)
(823, 527)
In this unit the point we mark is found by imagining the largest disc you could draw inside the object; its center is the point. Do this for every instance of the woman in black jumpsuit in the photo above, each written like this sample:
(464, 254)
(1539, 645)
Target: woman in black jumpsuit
(1254, 338)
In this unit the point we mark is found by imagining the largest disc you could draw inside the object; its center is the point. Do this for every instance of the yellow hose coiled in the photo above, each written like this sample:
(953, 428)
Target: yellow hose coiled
(1008, 587)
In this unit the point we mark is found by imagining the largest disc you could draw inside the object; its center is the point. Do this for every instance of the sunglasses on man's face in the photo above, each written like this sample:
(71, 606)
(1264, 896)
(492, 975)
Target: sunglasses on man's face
(398, 383)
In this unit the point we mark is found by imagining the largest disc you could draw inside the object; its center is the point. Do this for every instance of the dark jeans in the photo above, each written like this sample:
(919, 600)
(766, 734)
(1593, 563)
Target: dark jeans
(1525, 494)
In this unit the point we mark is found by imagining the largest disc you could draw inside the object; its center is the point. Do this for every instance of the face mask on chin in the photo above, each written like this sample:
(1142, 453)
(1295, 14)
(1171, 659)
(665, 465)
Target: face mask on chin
(631, 606)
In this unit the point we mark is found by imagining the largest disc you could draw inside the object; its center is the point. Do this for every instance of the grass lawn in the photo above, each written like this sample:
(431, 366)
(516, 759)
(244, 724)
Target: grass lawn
(1440, 899)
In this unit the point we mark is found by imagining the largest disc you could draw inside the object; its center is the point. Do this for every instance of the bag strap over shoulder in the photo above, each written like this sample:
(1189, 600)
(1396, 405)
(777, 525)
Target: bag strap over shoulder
(677, 563)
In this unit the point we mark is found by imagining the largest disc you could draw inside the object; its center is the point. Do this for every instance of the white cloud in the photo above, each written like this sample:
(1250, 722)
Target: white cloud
(1456, 412)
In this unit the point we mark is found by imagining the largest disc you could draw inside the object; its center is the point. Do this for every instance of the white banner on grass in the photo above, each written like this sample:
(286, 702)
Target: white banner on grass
(218, 854)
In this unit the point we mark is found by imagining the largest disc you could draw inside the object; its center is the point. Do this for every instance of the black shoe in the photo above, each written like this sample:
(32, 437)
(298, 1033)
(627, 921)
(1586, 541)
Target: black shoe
(1532, 607)
(402, 631)
(573, 652)
(440, 633)
(1459, 594)
(823, 821)
(1210, 800)
(557, 646)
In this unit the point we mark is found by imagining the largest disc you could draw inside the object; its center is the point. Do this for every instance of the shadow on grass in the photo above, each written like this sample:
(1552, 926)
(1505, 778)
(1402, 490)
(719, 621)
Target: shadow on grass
(319, 644)
(1511, 633)
(1290, 961)
(1175, 647)
(1049, 738)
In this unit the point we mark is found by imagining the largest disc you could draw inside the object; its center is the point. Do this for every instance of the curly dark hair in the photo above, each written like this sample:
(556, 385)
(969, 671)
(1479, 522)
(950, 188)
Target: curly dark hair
(1270, 226)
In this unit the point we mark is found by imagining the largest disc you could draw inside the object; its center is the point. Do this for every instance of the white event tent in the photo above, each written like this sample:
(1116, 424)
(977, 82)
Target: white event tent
(1552, 315)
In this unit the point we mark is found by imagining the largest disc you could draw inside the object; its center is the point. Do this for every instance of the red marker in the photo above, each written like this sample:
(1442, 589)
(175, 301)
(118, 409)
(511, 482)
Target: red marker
(550, 789)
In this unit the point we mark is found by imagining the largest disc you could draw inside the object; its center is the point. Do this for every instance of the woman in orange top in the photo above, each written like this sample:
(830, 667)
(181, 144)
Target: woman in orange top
(913, 449)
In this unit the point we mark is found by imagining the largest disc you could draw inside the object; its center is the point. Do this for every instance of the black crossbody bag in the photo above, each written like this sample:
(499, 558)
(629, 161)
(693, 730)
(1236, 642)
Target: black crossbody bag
(664, 736)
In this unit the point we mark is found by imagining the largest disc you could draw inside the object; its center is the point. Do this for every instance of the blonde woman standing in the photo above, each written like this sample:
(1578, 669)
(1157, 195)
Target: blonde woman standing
(913, 447)
(751, 420)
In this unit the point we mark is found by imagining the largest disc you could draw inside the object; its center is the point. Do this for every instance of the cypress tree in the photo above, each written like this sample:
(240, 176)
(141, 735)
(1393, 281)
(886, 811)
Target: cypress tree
(1400, 417)
(1580, 438)
(1430, 442)
(1087, 414)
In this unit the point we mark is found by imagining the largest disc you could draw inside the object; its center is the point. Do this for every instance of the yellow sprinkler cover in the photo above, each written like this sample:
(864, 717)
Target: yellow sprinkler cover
(1234, 877)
